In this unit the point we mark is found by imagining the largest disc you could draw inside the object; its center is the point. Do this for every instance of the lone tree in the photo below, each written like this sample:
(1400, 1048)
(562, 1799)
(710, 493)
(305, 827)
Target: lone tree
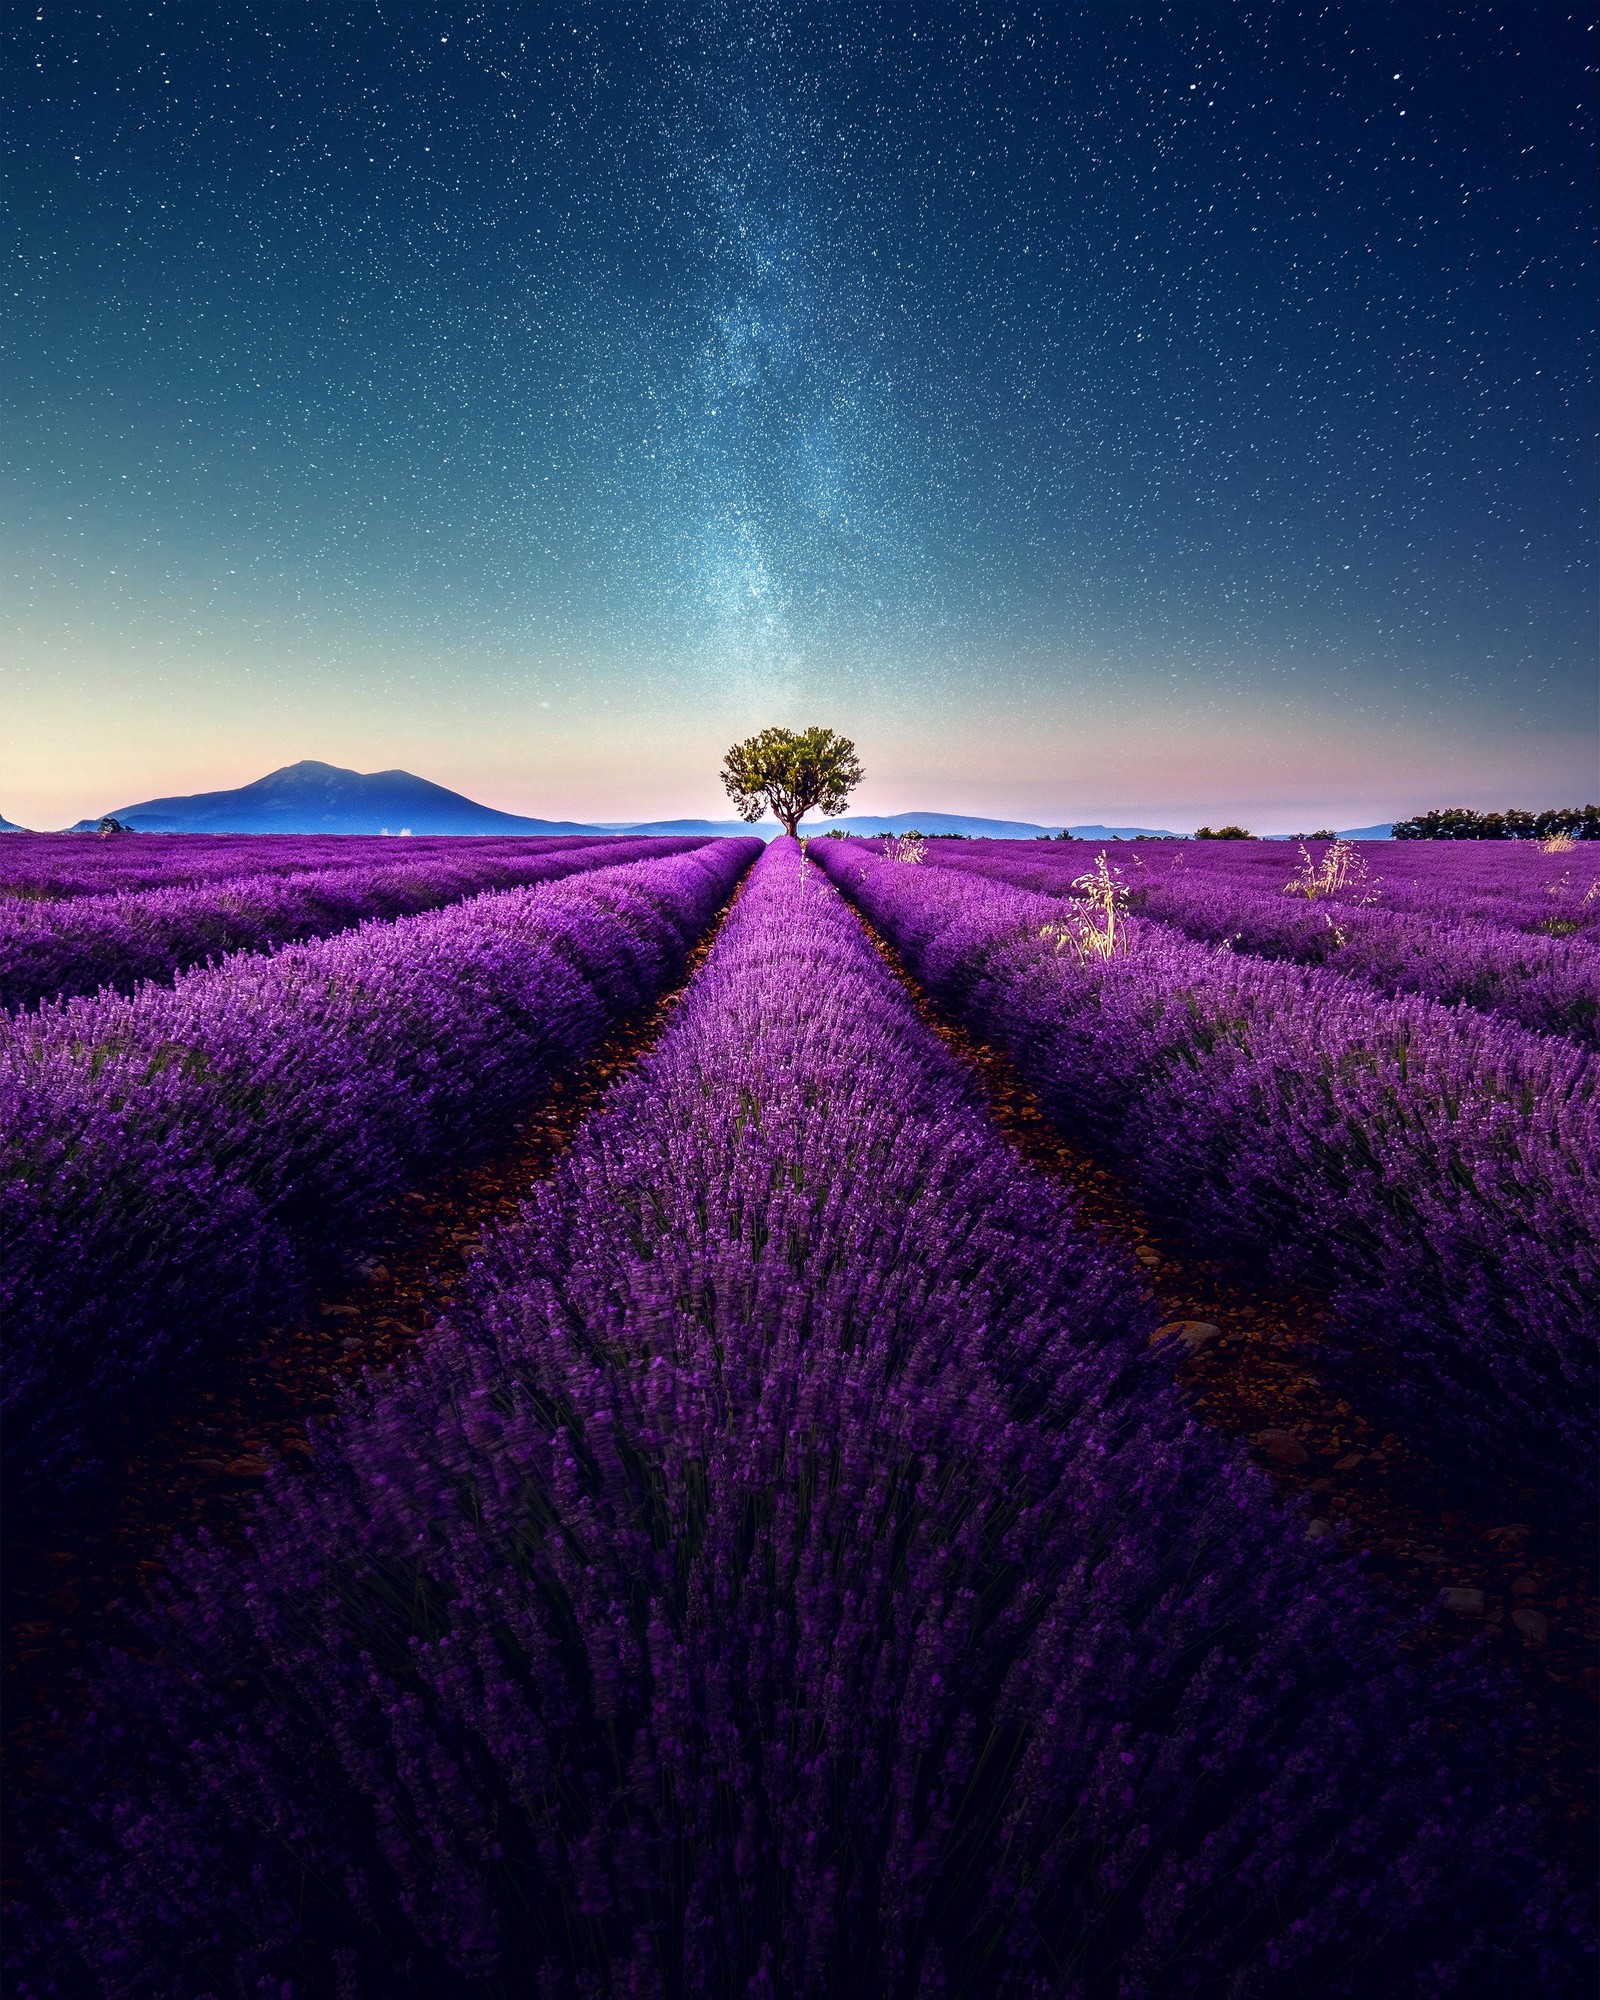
(790, 772)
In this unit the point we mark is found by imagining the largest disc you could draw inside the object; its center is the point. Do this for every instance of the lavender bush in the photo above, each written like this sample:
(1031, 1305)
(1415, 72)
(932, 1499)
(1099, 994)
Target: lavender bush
(1434, 1168)
(54, 866)
(76, 946)
(1511, 884)
(1540, 982)
(169, 1162)
(792, 1572)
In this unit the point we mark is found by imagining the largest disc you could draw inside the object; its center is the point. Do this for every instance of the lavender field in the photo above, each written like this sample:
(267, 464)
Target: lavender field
(58, 939)
(673, 1418)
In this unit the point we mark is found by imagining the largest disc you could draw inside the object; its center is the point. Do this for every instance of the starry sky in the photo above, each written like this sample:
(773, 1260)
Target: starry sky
(1144, 413)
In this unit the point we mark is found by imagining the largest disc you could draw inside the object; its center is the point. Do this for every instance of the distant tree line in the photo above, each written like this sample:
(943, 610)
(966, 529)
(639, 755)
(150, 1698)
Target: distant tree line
(1462, 823)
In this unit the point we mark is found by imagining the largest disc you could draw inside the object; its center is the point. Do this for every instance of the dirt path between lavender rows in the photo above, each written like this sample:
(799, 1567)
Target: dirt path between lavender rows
(204, 1443)
(1252, 1373)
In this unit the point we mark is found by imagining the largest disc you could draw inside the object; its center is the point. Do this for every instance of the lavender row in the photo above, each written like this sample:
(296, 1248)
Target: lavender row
(791, 1572)
(1435, 1168)
(171, 1164)
(54, 866)
(1543, 983)
(55, 950)
(1550, 985)
(1510, 870)
(1510, 883)
(1514, 886)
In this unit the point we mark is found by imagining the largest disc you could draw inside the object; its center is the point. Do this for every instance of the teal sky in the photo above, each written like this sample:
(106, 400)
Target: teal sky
(1133, 414)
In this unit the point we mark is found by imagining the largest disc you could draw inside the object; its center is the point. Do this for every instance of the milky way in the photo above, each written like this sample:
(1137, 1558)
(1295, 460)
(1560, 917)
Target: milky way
(979, 379)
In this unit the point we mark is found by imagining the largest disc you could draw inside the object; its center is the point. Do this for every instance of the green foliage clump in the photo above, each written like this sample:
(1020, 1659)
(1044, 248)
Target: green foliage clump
(1462, 823)
(788, 772)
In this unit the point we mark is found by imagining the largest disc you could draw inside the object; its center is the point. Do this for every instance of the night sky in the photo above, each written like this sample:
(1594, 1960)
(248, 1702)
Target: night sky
(1098, 412)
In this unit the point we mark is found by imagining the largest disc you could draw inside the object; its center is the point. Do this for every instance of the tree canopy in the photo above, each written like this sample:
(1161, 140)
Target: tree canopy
(788, 772)
(1462, 823)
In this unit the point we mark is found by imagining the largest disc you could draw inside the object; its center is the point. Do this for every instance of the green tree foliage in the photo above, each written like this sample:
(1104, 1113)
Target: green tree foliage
(1462, 823)
(1223, 833)
(787, 772)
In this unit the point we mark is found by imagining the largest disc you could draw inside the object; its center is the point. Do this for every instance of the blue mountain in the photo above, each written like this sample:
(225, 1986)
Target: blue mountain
(309, 797)
(1120, 833)
(766, 829)
(1385, 831)
(974, 827)
(936, 822)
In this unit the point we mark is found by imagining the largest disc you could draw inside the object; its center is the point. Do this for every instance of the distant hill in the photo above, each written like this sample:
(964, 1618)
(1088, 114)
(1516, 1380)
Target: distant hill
(309, 797)
(936, 822)
(978, 829)
(1121, 833)
(897, 823)
(10, 825)
(872, 823)
(1384, 832)
(766, 829)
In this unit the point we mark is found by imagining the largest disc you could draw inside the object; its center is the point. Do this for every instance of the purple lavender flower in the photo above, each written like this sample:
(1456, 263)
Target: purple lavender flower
(171, 1162)
(52, 867)
(790, 1570)
(1532, 959)
(1434, 1168)
(57, 949)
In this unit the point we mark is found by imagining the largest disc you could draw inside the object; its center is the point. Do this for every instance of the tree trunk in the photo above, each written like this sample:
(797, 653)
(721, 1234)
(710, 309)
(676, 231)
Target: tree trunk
(790, 822)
